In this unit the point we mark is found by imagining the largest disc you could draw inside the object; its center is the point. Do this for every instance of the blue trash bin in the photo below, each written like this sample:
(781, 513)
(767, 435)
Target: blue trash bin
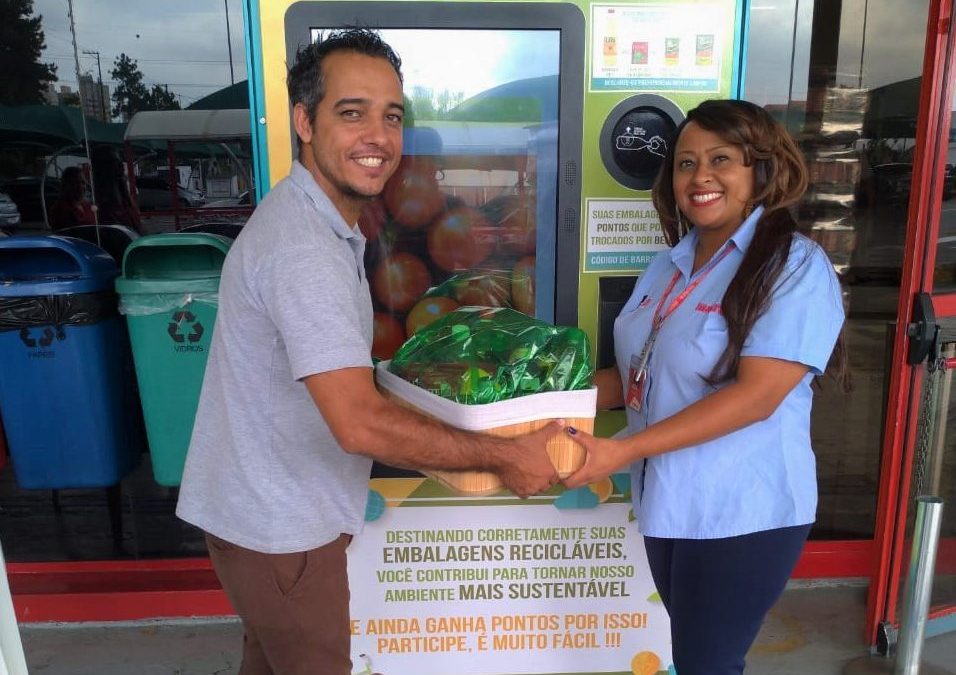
(66, 391)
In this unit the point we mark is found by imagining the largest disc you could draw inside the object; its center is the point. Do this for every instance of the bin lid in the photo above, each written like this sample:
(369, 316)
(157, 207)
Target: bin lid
(32, 265)
(111, 238)
(173, 262)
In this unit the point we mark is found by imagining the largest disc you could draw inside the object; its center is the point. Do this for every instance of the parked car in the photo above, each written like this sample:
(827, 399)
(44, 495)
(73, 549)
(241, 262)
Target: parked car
(891, 183)
(244, 199)
(25, 193)
(9, 213)
(949, 182)
(155, 192)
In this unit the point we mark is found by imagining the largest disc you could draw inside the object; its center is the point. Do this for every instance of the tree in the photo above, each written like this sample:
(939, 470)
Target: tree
(131, 95)
(431, 106)
(71, 99)
(160, 98)
(23, 78)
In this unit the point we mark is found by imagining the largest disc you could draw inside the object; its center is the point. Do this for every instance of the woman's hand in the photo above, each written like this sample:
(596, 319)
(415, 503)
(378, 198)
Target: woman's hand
(603, 457)
(610, 388)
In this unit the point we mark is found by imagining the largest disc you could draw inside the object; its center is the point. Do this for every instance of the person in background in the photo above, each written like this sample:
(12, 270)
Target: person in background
(113, 202)
(71, 207)
(289, 418)
(716, 351)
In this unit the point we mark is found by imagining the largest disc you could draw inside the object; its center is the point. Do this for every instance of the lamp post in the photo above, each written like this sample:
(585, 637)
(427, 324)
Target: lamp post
(232, 78)
(99, 82)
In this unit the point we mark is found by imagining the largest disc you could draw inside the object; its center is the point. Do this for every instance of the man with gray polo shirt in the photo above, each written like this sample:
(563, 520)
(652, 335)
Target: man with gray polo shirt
(289, 419)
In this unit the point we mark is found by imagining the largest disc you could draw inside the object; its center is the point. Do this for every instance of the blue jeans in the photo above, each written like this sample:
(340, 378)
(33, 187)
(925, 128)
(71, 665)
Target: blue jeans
(718, 591)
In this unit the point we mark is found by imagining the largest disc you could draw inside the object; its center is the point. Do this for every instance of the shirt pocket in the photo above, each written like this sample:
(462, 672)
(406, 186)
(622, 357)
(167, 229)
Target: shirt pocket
(707, 343)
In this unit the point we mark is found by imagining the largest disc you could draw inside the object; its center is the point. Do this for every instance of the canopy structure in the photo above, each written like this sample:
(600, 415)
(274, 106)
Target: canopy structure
(532, 100)
(189, 125)
(891, 110)
(234, 96)
(54, 126)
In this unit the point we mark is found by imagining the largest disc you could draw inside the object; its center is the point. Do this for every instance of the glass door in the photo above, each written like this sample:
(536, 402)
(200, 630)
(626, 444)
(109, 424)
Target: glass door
(920, 448)
(850, 99)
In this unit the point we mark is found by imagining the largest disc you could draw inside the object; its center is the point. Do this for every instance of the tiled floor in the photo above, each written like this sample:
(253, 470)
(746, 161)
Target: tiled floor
(815, 629)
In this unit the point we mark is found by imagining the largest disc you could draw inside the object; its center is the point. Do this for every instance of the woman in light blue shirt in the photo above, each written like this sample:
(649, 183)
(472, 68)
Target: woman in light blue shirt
(716, 351)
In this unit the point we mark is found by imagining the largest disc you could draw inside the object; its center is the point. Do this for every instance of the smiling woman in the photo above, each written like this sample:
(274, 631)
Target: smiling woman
(714, 187)
(718, 402)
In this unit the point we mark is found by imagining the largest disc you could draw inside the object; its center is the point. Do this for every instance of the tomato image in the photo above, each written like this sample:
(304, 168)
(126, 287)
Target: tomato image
(411, 195)
(522, 285)
(483, 289)
(400, 280)
(516, 216)
(426, 311)
(372, 219)
(387, 335)
(461, 239)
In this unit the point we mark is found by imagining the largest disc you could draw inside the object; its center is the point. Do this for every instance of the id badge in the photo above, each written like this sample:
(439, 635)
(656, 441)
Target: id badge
(637, 374)
(637, 380)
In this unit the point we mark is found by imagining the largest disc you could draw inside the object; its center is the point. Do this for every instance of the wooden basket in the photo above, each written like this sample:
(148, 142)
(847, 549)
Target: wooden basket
(577, 408)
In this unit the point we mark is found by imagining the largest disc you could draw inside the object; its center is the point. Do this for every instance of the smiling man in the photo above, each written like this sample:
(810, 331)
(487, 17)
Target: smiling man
(289, 419)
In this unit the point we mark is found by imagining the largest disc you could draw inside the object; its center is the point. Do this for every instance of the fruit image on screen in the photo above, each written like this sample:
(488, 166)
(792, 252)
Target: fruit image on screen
(449, 231)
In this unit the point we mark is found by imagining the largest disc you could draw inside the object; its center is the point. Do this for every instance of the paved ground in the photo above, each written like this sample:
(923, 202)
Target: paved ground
(816, 629)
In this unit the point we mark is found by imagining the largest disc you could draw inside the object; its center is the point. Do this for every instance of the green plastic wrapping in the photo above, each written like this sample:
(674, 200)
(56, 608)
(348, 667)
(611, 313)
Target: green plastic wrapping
(477, 355)
(478, 288)
(147, 304)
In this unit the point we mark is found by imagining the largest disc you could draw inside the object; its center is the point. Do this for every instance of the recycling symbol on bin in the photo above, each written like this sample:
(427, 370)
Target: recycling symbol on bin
(46, 338)
(179, 318)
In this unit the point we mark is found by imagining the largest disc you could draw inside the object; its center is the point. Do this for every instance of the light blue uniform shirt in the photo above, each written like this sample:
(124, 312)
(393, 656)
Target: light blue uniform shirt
(757, 478)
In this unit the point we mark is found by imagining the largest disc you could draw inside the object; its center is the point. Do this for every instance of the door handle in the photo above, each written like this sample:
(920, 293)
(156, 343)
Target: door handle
(923, 330)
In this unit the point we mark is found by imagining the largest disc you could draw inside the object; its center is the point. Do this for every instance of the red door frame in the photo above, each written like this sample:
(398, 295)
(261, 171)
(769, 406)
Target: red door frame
(922, 231)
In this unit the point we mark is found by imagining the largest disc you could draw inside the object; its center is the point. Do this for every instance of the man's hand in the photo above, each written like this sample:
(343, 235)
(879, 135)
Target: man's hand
(365, 423)
(527, 468)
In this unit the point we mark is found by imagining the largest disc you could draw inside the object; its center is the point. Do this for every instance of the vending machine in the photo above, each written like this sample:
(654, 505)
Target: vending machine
(534, 132)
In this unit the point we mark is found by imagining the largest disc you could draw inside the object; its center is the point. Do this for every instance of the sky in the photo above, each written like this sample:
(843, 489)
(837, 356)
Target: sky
(179, 43)
(508, 55)
(884, 59)
(182, 44)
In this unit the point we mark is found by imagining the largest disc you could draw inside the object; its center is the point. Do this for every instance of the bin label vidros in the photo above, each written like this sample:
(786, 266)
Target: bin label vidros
(185, 331)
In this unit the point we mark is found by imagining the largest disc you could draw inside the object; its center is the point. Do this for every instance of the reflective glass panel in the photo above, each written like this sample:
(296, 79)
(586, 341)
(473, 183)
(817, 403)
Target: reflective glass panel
(944, 278)
(469, 217)
(849, 96)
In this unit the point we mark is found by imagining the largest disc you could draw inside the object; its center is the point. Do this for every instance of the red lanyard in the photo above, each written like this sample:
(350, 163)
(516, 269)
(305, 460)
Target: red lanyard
(659, 318)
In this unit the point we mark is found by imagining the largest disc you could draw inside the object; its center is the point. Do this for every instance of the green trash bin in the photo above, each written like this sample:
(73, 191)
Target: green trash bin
(169, 291)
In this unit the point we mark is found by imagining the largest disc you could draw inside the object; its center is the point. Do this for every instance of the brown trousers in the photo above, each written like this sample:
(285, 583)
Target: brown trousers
(294, 607)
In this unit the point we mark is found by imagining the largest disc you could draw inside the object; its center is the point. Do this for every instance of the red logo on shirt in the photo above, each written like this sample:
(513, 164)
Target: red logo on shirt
(708, 309)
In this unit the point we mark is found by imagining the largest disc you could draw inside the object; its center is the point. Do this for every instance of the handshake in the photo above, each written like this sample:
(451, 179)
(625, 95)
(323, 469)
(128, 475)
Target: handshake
(526, 445)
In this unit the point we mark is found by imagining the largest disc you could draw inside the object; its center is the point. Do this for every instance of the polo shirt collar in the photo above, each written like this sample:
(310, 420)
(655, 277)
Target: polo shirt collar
(682, 255)
(305, 181)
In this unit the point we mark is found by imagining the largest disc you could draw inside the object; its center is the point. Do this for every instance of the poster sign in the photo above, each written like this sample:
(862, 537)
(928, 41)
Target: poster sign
(622, 234)
(484, 586)
(675, 47)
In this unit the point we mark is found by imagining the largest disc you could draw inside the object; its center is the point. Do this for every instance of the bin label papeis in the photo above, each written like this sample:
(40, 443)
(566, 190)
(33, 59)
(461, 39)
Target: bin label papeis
(41, 340)
(185, 331)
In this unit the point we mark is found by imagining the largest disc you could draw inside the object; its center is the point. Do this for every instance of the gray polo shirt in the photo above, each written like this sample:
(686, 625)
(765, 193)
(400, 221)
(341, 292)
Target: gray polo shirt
(263, 469)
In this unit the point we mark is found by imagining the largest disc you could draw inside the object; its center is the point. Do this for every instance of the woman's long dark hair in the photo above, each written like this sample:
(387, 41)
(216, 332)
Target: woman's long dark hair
(780, 179)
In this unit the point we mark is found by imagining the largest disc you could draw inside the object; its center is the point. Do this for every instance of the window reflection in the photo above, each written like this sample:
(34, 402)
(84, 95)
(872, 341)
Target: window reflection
(851, 102)
(186, 58)
(478, 175)
(130, 57)
(944, 278)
